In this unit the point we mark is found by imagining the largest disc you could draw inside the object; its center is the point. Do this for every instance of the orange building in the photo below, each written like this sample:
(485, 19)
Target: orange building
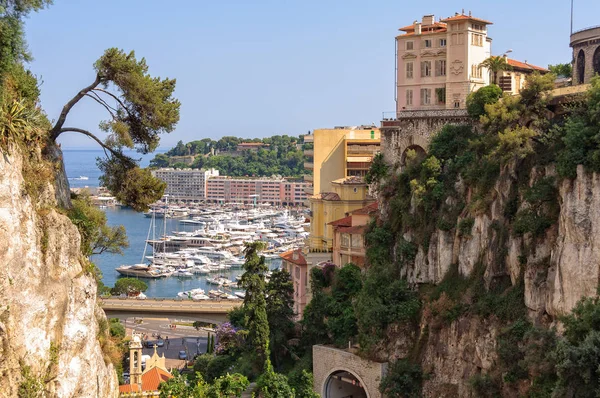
(349, 236)
(293, 261)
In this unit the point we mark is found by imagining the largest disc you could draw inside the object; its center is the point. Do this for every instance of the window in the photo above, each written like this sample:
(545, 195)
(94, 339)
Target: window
(476, 71)
(440, 67)
(427, 43)
(457, 103)
(477, 40)
(478, 27)
(425, 96)
(409, 97)
(457, 39)
(442, 42)
(409, 45)
(426, 69)
(409, 70)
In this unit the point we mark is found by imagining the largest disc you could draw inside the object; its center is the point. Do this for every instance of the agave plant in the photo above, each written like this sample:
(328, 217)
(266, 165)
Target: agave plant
(19, 122)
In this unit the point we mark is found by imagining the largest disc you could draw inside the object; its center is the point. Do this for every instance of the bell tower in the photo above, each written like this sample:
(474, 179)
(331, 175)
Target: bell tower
(135, 360)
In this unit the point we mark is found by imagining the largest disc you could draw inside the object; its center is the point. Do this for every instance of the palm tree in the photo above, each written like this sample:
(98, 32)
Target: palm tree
(496, 64)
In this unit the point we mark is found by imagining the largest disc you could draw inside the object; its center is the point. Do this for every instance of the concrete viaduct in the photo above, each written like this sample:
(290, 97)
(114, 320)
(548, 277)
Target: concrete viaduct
(204, 311)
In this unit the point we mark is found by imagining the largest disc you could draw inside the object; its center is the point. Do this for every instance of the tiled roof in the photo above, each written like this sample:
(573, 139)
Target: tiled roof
(465, 18)
(423, 27)
(332, 196)
(342, 222)
(128, 388)
(373, 207)
(289, 257)
(152, 378)
(357, 229)
(522, 65)
(424, 33)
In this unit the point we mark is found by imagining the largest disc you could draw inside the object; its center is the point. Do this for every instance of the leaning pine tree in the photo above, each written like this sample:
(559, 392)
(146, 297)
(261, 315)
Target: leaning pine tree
(255, 305)
(140, 108)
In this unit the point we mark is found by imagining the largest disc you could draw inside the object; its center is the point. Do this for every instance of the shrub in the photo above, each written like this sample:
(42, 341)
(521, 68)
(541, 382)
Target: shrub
(477, 100)
(485, 386)
(403, 379)
(465, 226)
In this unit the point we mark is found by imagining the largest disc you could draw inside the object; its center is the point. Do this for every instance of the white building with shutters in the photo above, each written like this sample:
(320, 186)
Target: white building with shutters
(185, 184)
(438, 62)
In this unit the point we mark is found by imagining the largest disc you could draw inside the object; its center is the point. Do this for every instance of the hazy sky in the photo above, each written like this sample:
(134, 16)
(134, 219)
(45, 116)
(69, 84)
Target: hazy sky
(257, 68)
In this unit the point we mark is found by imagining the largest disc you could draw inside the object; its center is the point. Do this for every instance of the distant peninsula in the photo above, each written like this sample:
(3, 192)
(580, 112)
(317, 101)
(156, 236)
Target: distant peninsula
(237, 157)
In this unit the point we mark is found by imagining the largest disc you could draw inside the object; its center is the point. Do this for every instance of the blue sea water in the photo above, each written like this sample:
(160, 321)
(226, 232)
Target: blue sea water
(82, 163)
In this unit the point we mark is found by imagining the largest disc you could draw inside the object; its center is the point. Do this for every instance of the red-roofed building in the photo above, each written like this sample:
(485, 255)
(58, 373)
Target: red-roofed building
(294, 262)
(513, 80)
(349, 235)
(438, 62)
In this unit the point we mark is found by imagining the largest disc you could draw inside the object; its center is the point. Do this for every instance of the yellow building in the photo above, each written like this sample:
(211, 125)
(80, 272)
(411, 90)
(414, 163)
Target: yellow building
(337, 153)
(347, 194)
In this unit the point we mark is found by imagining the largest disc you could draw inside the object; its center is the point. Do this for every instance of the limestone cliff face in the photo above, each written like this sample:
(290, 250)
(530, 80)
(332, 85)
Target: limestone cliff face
(49, 318)
(557, 270)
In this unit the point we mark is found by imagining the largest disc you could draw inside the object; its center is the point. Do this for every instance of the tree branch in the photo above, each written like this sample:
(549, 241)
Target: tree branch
(101, 103)
(95, 94)
(98, 140)
(55, 132)
(115, 97)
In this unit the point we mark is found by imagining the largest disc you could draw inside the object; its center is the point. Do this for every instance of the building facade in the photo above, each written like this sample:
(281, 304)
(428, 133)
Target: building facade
(185, 184)
(350, 193)
(349, 236)
(294, 262)
(275, 191)
(338, 153)
(438, 62)
(586, 54)
(512, 81)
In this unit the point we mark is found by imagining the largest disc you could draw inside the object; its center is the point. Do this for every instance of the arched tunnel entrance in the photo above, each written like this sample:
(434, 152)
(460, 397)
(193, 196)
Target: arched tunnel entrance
(413, 152)
(343, 384)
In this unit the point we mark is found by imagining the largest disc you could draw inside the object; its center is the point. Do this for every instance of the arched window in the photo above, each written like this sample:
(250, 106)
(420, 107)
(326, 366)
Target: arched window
(596, 61)
(580, 67)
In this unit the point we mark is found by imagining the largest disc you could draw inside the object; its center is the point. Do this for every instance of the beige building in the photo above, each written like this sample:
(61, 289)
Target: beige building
(349, 236)
(347, 194)
(438, 62)
(512, 81)
(338, 153)
(185, 184)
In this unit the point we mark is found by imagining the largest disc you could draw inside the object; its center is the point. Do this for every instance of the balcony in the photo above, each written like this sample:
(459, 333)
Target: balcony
(309, 165)
(309, 190)
(308, 178)
(309, 152)
(309, 138)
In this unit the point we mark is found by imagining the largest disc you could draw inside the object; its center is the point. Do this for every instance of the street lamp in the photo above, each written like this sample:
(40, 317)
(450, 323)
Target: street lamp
(507, 52)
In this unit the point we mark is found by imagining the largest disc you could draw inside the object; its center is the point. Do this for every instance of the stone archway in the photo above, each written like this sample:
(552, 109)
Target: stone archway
(596, 61)
(580, 72)
(344, 383)
(419, 152)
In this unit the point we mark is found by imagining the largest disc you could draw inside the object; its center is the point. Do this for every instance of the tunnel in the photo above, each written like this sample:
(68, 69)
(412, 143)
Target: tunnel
(343, 384)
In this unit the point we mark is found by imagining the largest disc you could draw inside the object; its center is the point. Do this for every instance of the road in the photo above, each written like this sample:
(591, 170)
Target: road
(182, 338)
(188, 306)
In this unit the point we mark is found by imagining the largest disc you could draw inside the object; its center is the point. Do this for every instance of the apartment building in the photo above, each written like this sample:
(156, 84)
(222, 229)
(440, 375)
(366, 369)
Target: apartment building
(276, 191)
(438, 62)
(185, 184)
(349, 236)
(294, 262)
(338, 153)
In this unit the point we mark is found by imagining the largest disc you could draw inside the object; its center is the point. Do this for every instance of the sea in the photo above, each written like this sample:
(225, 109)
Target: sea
(82, 171)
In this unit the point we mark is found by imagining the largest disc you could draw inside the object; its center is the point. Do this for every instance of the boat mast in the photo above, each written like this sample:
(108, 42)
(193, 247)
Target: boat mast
(148, 237)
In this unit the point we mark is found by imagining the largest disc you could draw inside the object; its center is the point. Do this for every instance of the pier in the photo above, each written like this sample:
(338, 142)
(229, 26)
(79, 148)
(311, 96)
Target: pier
(211, 311)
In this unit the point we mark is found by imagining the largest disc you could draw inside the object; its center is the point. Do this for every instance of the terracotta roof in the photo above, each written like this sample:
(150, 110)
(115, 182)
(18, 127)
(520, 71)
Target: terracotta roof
(373, 207)
(465, 18)
(424, 33)
(342, 222)
(152, 378)
(357, 229)
(522, 65)
(289, 257)
(332, 196)
(129, 388)
(423, 27)
(351, 180)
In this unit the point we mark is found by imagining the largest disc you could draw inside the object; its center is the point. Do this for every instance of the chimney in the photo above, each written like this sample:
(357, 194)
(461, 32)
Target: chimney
(428, 20)
(417, 28)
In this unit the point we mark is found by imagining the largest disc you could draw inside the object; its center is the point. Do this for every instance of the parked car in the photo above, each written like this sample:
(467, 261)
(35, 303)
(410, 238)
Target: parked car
(160, 342)
(182, 355)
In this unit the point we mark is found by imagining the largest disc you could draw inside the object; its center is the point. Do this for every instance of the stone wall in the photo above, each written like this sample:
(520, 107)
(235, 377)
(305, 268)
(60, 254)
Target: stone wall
(588, 41)
(327, 360)
(415, 129)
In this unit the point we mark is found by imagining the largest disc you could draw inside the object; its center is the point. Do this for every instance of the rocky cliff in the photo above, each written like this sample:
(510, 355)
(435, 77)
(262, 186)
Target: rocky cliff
(552, 270)
(49, 316)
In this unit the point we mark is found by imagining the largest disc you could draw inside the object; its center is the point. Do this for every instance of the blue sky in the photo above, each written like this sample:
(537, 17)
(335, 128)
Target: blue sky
(263, 67)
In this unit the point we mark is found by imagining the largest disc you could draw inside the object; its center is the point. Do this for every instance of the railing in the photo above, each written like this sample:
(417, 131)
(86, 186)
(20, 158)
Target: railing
(309, 165)
(309, 152)
(584, 29)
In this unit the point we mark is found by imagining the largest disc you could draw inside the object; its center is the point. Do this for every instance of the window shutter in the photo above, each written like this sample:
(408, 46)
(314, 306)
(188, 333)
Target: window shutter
(423, 69)
(437, 68)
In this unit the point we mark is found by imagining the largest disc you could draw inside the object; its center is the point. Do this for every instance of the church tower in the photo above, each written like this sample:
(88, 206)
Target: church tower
(135, 360)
